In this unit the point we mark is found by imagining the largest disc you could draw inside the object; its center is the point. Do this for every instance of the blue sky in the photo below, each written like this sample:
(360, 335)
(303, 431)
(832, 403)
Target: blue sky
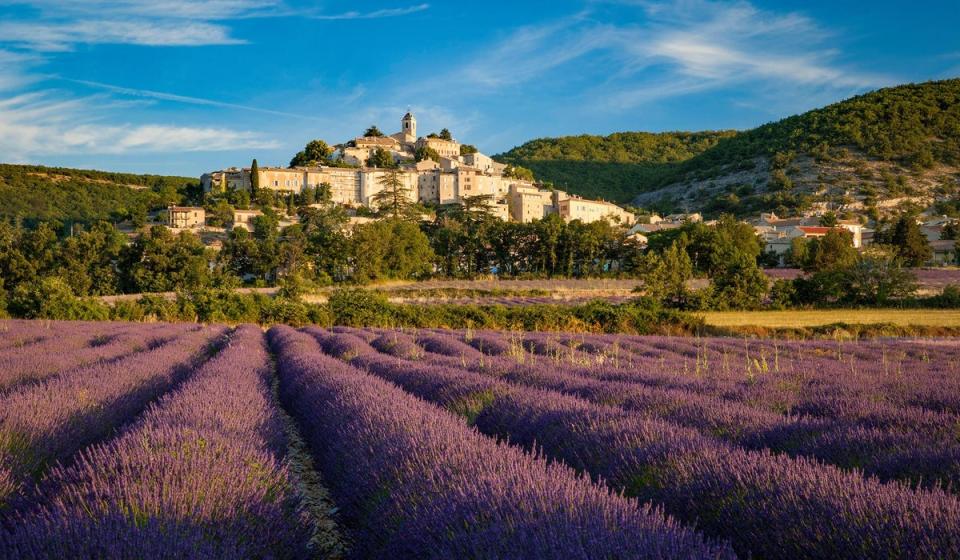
(180, 86)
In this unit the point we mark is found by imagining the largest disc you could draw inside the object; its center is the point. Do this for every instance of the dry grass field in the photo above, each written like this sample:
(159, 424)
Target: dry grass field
(819, 317)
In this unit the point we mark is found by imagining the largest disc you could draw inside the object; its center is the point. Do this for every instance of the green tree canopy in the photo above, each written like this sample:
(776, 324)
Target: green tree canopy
(158, 261)
(911, 244)
(395, 200)
(833, 250)
(390, 249)
(382, 159)
(314, 153)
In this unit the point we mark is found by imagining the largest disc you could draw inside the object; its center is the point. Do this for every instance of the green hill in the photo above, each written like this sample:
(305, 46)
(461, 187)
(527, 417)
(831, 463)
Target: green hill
(611, 167)
(35, 193)
(905, 132)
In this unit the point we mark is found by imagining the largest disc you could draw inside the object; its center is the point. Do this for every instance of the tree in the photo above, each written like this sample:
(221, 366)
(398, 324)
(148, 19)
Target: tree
(740, 285)
(373, 132)
(314, 153)
(239, 254)
(254, 179)
(394, 200)
(267, 235)
(326, 241)
(87, 260)
(52, 298)
(877, 278)
(799, 252)
(833, 250)
(219, 212)
(425, 152)
(382, 159)
(159, 262)
(713, 248)
(467, 149)
(471, 219)
(664, 277)
(828, 220)
(390, 249)
(912, 245)
(517, 172)
(445, 135)
(324, 193)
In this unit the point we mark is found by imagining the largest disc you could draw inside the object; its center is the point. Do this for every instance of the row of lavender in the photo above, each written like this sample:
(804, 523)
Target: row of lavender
(894, 426)
(176, 449)
(198, 475)
(414, 481)
(165, 444)
(767, 505)
(203, 472)
(838, 422)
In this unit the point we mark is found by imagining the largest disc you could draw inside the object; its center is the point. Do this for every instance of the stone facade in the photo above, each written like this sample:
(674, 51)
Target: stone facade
(576, 208)
(186, 217)
(447, 181)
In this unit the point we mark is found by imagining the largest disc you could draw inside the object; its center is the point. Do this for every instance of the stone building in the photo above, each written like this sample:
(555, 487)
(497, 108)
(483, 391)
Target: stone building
(186, 217)
(576, 208)
(447, 181)
(244, 218)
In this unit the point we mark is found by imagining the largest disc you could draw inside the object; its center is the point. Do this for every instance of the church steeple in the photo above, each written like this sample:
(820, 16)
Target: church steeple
(409, 125)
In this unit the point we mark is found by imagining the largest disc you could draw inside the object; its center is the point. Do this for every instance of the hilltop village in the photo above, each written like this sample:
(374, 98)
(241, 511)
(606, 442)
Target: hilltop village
(432, 170)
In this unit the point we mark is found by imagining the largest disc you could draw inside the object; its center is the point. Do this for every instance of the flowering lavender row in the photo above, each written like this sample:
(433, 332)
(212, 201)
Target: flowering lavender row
(48, 422)
(766, 505)
(200, 474)
(413, 481)
(341, 343)
(60, 334)
(927, 457)
(16, 333)
(871, 401)
(906, 444)
(397, 344)
(75, 347)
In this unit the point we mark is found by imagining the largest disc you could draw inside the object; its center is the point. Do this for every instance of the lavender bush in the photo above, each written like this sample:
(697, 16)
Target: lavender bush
(199, 474)
(415, 482)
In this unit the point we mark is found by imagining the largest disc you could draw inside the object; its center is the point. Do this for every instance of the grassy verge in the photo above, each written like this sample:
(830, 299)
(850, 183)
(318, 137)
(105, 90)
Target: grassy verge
(802, 318)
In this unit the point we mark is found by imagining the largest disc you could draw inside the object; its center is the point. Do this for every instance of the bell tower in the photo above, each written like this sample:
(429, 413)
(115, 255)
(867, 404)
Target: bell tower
(409, 126)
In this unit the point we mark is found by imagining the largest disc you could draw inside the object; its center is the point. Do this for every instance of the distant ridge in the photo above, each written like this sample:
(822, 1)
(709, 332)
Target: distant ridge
(892, 143)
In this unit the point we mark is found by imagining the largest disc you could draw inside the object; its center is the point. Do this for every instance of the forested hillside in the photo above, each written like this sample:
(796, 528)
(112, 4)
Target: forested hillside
(892, 143)
(51, 194)
(611, 166)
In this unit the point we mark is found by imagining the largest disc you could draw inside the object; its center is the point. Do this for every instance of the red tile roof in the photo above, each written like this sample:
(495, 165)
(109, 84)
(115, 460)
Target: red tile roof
(815, 229)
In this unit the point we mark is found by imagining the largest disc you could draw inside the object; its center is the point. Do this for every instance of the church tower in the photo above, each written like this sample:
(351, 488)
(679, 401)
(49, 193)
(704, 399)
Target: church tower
(409, 126)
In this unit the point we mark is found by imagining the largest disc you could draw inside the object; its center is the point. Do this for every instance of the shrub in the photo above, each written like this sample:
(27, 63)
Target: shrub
(52, 298)
(356, 307)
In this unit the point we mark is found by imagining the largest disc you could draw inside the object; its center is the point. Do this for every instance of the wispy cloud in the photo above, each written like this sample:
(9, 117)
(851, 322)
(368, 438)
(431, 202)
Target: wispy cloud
(40, 124)
(62, 36)
(375, 14)
(669, 49)
(189, 100)
(167, 9)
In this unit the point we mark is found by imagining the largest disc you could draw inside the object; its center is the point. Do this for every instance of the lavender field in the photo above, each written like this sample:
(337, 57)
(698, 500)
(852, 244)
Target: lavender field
(188, 441)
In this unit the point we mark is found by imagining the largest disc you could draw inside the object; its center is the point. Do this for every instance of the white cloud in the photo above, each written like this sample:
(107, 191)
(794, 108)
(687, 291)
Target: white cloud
(675, 48)
(189, 100)
(13, 69)
(375, 14)
(61, 36)
(166, 9)
(41, 124)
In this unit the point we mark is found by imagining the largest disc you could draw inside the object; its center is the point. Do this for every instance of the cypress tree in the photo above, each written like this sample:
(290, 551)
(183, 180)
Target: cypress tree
(254, 179)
